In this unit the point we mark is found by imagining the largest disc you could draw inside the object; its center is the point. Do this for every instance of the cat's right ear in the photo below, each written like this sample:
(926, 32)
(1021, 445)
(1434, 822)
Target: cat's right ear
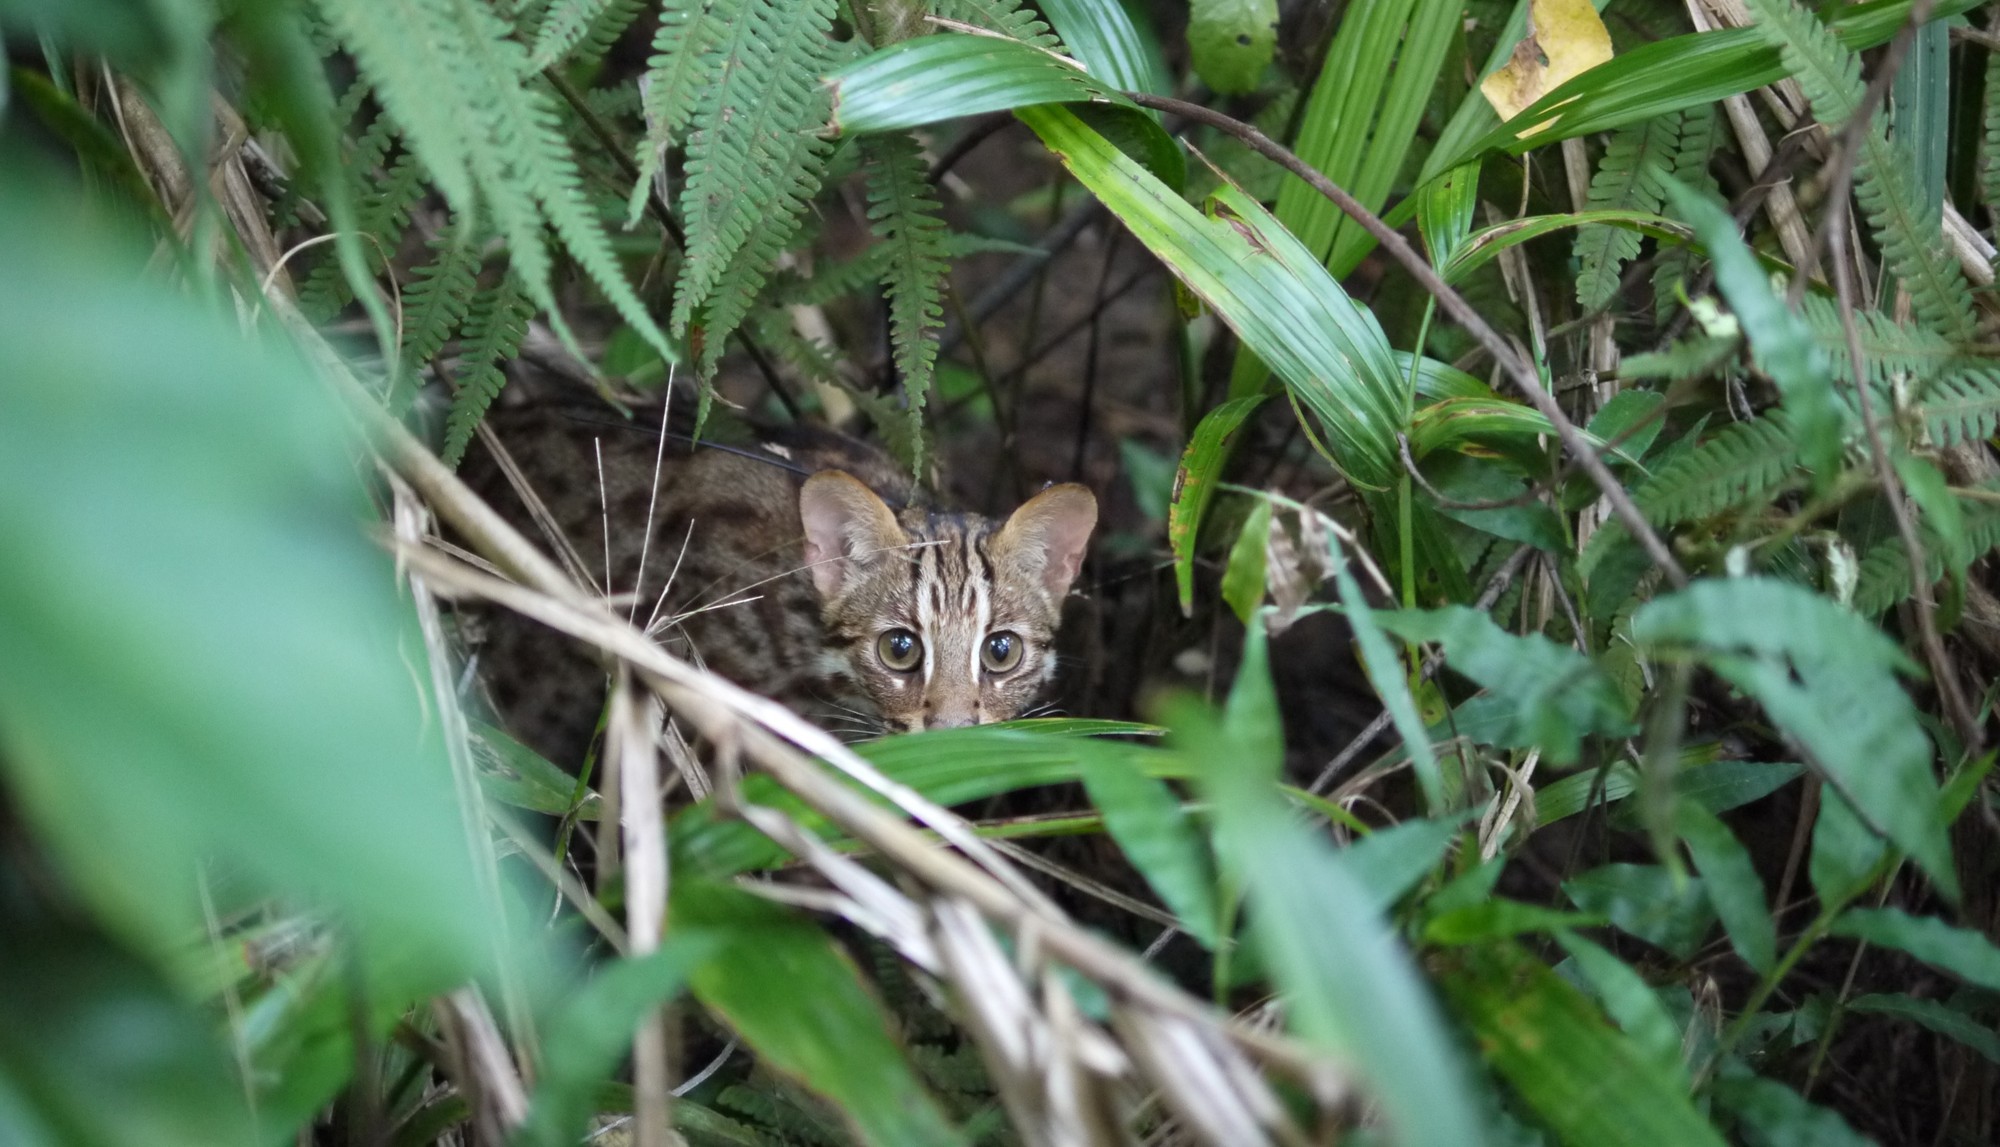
(846, 524)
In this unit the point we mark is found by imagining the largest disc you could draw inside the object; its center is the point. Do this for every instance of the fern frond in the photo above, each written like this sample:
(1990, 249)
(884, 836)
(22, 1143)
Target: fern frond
(754, 158)
(1885, 569)
(682, 67)
(496, 323)
(1742, 461)
(438, 298)
(591, 25)
(1990, 170)
(813, 360)
(797, 163)
(384, 209)
(1627, 179)
(491, 139)
(1887, 347)
(1962, 405)
(1007, 17)
(1690, 166)
(1910, 231)
(905, 216)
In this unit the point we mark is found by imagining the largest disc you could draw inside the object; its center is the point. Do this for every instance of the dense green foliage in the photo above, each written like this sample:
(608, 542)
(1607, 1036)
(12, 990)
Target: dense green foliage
(1651, 488)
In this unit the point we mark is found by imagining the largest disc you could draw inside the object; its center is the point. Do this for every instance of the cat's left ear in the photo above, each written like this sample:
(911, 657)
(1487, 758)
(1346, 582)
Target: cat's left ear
(1047, 535)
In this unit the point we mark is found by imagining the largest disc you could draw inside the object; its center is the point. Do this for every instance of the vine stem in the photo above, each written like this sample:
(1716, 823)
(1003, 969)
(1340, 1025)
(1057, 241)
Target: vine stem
(1517, 368)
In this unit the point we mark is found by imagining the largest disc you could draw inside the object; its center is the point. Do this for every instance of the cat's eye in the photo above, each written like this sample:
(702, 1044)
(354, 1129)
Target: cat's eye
(900, 650)
(1001, 652)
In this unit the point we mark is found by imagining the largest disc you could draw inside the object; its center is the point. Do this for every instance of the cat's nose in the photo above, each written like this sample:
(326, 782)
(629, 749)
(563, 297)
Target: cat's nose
(952, 718)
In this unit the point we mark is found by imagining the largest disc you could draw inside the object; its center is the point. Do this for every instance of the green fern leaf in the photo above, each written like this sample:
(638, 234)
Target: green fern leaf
(1742, 461)
(753, 159)
(682, 67)
(1887, 348)
(1990, 170)
(1910, 230)
(1690, 166)
(803, 157)
(1962, 405)
(456, 81)
(1627, 180)
(905, 216)
(494, 328)
(438, 298)
(1885, 569)
(589, 25)
(384, 211)
(1007, 17)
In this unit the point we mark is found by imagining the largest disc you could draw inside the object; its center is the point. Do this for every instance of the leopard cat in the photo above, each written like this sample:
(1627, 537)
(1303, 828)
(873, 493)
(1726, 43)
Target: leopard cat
(801, 564)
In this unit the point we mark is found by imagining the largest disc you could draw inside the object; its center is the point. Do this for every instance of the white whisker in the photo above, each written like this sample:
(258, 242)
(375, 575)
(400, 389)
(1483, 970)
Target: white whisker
(824, 561)
(660, 603)
(603, 509)
(652, 502)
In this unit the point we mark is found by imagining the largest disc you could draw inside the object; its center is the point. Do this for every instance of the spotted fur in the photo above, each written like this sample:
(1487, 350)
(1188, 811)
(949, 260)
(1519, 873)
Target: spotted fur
(783, 568)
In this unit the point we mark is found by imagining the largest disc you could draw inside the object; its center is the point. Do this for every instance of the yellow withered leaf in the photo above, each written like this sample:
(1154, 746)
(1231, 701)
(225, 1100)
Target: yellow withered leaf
(1565, 38)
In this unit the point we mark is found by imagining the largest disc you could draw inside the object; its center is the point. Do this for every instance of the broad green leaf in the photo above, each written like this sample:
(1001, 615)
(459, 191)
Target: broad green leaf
(949, 766)
(517, 775)
(1826, 677)
(1931, 492)
(1445, 209)
(1769, 1114)
(1208, 451)
(1230, 41)
(1498, 919)
(1243, 578)
(1734, 887)
(1147, 821)
(1670, 75)
(1556, 695)
(1329, 351)
(1348, 985)
(593, 1031)
(1939, 1017)
(1961, 951)
(1627, 409)
(201, 654)
(1361, 119)
(1390, 861)
(792, 995)
(97, 1050)
(1780, 341)
(1723, 785)
(1845, 851)
(1628, 999)
(1118, 52)
(950, 75)
(1643, 899)
(1466, 478)
(1450, 422)
(1484, 245)
(1717, 785)
(1572, 794)
(1384, 667)
(1583, 1080)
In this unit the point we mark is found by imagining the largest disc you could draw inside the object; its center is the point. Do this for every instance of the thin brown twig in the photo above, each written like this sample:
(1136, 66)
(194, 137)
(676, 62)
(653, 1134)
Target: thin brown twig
(1517, 367)
(1962, 720)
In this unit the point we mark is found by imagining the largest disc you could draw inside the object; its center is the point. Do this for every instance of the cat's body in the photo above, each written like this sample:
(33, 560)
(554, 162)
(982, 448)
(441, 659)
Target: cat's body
(800, 566)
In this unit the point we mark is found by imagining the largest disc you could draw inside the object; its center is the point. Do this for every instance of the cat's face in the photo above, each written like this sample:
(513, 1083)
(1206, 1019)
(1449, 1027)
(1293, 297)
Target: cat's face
(944, 619)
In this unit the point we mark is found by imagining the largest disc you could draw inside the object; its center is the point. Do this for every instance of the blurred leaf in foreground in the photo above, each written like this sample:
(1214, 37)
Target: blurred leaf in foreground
(201, 656)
